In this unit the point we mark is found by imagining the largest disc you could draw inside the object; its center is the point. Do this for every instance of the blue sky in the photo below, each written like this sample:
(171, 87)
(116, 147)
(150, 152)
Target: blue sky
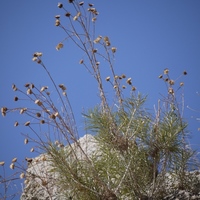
(149, 35)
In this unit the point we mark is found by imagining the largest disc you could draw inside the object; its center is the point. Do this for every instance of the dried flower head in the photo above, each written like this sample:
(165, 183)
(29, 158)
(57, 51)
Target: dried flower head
(42, 121)
(39, 61)
(98, 39)
(43, 88)
(94, 50)
(166, 71)
(56, 114)
(52, 116)
(57, 16)
(106, 39)
(114, 49)
(67, 14)
(32, 150)
(29, 160)
(60, 5)
(129, 81)
(38, 102)
(160, 76)
(2, 163)
(14, 87)
(90, 4)
(16, 124)
(22, 110)
(37, 54)
(123, 86)
(14, 160)
(38, 114)
(184, 73)
(26, 182)
(22, 175)
(16, 98)
(181, 84)
(70, 1)
(62, 87)
(81, 3)
(29, 91)
(25, 141)
(57, 23)
(64, 94)
(123, 76)
(34, 59)
(94, 19)
(171, 82)
(3, 111)
(116, 77)
(75, 18)
(93, 10)
(171, 91)
(115, 86)
(108, 78)
(133, 88)
(12, 166)
(59, 46)
(81, 61)
(27, 123)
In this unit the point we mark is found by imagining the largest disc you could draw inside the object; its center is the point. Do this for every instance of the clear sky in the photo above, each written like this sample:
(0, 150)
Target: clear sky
(149, 35)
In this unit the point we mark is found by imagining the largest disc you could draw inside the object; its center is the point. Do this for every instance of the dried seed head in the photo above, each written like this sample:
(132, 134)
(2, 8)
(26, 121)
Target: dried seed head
(78, 14)
(81, 61)
(67, 14)
(129, 81)
(114, 49)
(12, 166)
(25, 141)
(48, 93)
(57, 16)
(123, 76)
(27, 123)
(16, 98)
(97, 63)
(171, 91)
(166, 80)
(14, 87)
(57, 23)
(32, 86)
(98, 39)
(115, 86)
(38, 102)
(116, 77)
(2, 163)
(22, 110)
(81, 3)
(43, 158)
(70, 1)
(123, 86)
(94, 19)
(120, 77)
(26, 84)
(62, 87)
(60, 5)
(160, 76)
(64, 94)
(26, 182)
(171, 82)
(56, 114)
(29, 91)
(181, 84)
(14, 160)
(32, 150)
(93, 10)
(90, 4)
(43, 88)
(184, 73)
(38, 114)
(75, 18)
(34, 59)
(94, 50)
(108, 78)
(133, 88)
(16, 124)
(39, 61)
(3, 111)
(42, 121)
(37, 54)
(52, 116)
(29, 160)
(22, 175)
(59, 46)
(108, 44)
(106, 39)
(166, 71)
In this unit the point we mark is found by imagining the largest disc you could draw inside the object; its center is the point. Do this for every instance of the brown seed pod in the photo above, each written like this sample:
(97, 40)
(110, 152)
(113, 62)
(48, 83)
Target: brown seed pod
(133, 88)
(129, 81)
(57, 23)
(171, 82)
(25, 141)
(22, 175)
(90, 4)
(14, 160)
(81, 3)
(52, 116)
(3, 111)
(29, 160)
(38, 102)
(16, 98)
(108, 78)
(60, 5)
(94, 19)
(42, 121)
(57, 16)
(70, 1)
(166, 71)
(62, 86)
(59, 46)
(184, 73)
(43, 88)
(81, 61)
(67, 14)
(94, 50)
(123, 76)
(2, 163)
(32, 150)
(12, 166)
(123, 86)
(14, 87)
(114, 49)
(23, 110)
(160, 76)
(16, 124)
(29, 91)
(27, 85)
(171, 91)
(38, 114)
(27, 123)
(181, 84)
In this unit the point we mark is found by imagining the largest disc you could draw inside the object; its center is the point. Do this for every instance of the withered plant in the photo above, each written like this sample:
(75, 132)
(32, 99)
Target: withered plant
(134, 148)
